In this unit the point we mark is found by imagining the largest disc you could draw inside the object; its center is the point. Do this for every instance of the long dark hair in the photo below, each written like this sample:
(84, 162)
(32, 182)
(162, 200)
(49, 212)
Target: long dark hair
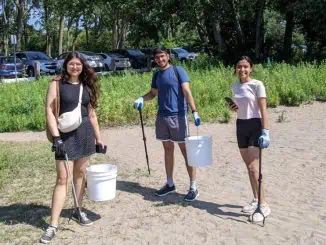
(87, 76)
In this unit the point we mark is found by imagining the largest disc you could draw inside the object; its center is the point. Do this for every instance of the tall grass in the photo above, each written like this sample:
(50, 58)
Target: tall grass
(22, 104)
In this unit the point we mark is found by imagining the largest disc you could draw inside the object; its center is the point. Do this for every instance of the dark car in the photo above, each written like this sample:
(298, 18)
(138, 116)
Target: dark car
(11, 67)
(93, 59)
(29, 58)
(149, 52)
(137, 58)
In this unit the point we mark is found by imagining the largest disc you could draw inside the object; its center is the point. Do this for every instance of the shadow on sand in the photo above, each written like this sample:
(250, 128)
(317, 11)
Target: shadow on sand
(34, 214)
(177, 199)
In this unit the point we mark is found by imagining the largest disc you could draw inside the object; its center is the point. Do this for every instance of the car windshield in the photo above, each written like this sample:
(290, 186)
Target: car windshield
(135, 52)
(88, 53)
(180, 51)
(116, 55)
(9, 60)
(37, 56)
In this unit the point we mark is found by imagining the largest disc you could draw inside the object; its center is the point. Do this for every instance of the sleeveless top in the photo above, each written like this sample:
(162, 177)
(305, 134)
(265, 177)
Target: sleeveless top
(69, 96)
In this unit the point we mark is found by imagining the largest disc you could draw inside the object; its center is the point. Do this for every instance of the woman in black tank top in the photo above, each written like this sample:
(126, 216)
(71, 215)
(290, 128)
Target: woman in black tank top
(78, 144)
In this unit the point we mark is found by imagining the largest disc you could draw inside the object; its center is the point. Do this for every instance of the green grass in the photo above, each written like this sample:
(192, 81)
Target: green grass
(22, 104)
(27, 177)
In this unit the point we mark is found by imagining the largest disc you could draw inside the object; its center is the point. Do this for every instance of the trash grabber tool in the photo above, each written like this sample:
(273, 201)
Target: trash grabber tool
(258, 209)
(144, 139)
(73, 187)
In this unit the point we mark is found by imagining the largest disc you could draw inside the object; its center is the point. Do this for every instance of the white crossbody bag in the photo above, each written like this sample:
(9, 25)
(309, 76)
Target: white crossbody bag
(71, 120)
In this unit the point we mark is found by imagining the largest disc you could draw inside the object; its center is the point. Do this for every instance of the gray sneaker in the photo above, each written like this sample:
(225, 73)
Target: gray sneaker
(191, 195)
(165, 190)
(81, 218)
(49, 234)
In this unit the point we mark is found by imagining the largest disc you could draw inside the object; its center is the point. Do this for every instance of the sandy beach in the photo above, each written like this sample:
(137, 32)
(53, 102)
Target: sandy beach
(294, 174)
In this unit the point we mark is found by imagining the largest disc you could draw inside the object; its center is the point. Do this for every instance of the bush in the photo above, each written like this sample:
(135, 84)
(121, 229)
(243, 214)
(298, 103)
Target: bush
(22, 104)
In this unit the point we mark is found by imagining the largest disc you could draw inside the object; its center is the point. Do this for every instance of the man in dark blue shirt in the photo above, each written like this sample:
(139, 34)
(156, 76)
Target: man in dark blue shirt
(171, 85)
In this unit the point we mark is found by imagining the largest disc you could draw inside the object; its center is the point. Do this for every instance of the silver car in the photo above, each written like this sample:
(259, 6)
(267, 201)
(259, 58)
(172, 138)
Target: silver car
(93, 59)
(115, 61)
(182, 54)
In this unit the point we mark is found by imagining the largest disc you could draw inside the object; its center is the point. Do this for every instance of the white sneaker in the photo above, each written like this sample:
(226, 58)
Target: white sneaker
(258, 217)
(251, 207)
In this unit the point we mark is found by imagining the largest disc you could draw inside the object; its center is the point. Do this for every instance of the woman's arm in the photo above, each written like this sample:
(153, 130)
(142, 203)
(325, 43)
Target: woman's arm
(93, 118)
(262, 103)
(50, 108)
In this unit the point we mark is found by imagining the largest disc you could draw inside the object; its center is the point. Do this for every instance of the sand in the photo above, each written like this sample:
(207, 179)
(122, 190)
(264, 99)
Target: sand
(294, 173)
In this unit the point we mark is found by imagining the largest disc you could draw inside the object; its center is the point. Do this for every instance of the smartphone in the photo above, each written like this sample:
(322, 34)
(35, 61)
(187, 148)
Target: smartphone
(230, 102)
(100, 149)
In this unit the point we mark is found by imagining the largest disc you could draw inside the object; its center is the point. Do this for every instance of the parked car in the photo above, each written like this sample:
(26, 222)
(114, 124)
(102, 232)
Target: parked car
(137, 58)
(11, 67)
(29, 58)
(114, 61)
(149, 53)
(93, 59)
(182, 54)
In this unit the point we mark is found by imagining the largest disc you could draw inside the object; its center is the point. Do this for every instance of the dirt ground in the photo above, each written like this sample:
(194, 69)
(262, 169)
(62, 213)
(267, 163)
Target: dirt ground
(294, 173)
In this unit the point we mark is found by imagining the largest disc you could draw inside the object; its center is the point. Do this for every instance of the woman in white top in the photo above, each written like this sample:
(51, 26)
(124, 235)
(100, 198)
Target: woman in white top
(252, 128)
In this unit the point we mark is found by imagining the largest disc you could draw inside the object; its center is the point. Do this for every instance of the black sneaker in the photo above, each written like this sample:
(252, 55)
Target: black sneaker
(81, 218)
(49, 234)
(165, 190)
(192, 195)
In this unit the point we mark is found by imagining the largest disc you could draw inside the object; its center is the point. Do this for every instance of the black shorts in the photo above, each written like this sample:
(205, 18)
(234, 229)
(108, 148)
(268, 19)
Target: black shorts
(248, 132)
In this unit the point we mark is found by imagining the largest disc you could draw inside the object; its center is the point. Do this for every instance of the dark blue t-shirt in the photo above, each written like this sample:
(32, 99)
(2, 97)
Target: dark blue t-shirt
(171, 100)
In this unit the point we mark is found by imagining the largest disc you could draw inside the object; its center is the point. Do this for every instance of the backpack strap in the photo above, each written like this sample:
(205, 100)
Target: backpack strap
(177, 73)
(156, 74)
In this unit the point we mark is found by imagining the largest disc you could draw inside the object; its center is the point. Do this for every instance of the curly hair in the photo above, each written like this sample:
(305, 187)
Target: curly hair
(87, 77)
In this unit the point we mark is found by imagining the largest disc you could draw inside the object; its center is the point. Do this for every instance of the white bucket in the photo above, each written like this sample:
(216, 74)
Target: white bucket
(101, 182)
(199, 151)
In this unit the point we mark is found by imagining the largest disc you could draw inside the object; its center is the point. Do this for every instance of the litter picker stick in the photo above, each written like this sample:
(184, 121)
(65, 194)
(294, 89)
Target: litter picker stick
(73, 186)
(258, 210)
(144, 139)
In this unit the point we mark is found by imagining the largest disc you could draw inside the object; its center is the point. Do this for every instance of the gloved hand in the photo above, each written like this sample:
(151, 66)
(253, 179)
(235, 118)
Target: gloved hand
(196, 118)
(58, 146)
(264, 139)
(139, 103)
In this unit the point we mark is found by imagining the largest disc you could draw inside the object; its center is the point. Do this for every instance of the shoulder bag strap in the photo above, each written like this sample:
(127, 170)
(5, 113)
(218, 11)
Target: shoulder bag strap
(80, 93)
(57, 107)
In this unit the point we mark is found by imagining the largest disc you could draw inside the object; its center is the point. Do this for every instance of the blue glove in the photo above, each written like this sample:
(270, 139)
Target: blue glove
(196, 118)
(139, 103)
(264, 139)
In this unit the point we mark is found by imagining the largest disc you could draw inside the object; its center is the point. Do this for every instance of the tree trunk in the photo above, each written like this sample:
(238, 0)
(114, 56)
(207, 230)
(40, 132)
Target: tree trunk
(217, 34)
(61, 29)
(5, 34)
(20, 22)
(286, 54)
(86, 34)
(114, 34)
(123, 29)
(259, 28)
(75, 34)
(237, 23)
